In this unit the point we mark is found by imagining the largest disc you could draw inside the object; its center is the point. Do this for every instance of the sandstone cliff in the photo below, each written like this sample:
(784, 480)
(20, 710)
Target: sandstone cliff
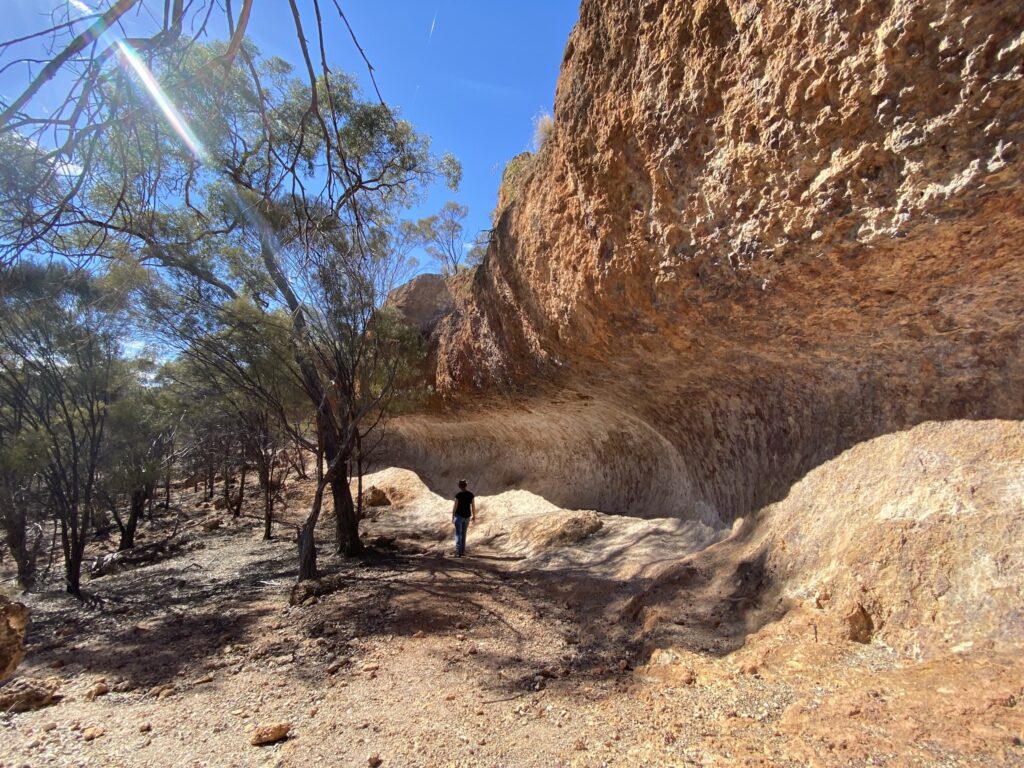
(760, 233)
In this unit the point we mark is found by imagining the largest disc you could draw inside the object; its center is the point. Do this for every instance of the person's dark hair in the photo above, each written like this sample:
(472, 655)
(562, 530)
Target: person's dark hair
(463, 484)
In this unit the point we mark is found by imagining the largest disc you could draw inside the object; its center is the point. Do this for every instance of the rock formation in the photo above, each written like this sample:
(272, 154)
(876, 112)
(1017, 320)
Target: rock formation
(914, 538)
(13, 617)
(760, 233)
(423, 301)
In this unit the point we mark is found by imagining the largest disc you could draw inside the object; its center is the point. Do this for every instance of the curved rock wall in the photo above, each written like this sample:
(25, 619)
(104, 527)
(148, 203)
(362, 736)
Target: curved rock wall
(916, 538)
(766, 231)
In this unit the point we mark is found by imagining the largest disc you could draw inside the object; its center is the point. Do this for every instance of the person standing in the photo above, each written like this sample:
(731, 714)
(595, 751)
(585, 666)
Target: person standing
(463, 511)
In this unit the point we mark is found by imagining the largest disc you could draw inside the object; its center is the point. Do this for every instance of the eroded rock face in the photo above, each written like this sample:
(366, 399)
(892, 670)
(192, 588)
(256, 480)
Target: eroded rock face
(914, 539)
(766, 230)
(13, 618)
(423, 301)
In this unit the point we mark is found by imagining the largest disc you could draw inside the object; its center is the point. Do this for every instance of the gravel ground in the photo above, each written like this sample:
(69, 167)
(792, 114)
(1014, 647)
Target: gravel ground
(420, 659)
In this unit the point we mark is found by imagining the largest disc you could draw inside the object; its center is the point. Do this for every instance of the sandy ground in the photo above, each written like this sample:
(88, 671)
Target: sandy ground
(525, 653)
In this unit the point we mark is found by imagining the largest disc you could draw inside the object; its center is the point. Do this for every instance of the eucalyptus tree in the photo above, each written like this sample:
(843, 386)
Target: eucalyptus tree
(134, 453)
(60, 367)
(232, 183)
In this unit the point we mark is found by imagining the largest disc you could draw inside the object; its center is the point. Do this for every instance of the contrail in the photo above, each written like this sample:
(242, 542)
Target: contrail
(432, 25)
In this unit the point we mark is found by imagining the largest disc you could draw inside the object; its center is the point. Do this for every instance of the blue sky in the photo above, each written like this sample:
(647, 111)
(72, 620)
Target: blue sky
(471, 74)
(474, 84)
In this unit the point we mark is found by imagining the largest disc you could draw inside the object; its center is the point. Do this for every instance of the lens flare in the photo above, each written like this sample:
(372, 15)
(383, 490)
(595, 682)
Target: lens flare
(131, 57)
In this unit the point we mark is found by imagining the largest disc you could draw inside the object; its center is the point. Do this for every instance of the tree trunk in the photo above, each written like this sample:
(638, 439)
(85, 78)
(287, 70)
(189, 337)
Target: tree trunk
(16, 533)
(359, 480)
(227, 487)
(346, 523)
(268, 513)
(73, 538)
(236, 509)
(307, 537)
(138, 503)
(210, 473)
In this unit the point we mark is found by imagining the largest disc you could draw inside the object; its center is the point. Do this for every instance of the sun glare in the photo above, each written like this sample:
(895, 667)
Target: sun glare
(156, 92)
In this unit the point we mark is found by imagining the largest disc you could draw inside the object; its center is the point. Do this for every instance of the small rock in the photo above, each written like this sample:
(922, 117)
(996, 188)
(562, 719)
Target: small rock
(450, 697)
(371, 667)
(580, 745)
(374, 761)
(50, 727)
(99, 689)
(166, 692)
(204, 679)
(419, 633)
(123, 687)
(93, 732)
(145, 728)
(268, 734)
(334, 666)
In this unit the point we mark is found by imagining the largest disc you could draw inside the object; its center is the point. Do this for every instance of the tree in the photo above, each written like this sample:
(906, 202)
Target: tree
(136, 447)
(443, 236)
(283, 201)
(59, 360)
(53, 146)
(22, 513)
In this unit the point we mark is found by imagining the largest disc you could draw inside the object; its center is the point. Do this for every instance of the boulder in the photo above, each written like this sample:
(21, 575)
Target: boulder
(13, 618)
(24, 694)
(423, 301)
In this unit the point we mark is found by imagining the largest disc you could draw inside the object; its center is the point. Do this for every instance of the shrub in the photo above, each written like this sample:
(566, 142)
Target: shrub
(543, 127)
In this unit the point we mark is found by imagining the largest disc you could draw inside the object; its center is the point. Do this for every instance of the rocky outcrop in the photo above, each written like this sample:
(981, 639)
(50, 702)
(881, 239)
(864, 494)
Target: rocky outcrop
(914, 539)
(423, 301)
(13, 618)
(765, 232)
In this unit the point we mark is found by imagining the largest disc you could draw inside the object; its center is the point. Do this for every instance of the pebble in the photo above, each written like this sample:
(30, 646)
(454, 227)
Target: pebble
(374, 761)
(268, 734)
(145, 728)
(99, 689)
(93, 732)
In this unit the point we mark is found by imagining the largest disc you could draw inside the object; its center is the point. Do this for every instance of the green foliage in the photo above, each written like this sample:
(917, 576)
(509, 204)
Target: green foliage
(443, 236)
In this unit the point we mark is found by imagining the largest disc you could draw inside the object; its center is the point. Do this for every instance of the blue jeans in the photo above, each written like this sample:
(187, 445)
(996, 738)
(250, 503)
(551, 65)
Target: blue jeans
(461, 526)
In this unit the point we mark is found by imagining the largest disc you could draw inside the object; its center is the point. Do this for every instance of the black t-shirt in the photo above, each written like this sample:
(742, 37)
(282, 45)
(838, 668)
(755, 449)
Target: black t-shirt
(464, 500)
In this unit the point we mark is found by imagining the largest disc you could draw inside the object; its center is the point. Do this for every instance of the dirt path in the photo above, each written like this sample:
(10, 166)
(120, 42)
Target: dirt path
(420, 659)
